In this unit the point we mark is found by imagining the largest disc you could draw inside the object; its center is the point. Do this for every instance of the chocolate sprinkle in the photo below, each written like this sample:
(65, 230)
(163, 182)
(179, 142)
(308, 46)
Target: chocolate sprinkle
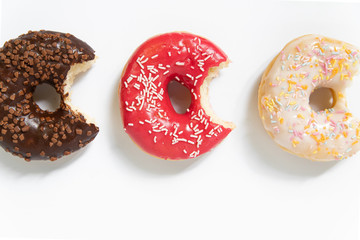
(26, 130)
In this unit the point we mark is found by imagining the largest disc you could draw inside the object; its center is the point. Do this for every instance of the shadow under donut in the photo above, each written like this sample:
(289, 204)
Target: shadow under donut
(129, 152)
(23, 167)
(268, 152)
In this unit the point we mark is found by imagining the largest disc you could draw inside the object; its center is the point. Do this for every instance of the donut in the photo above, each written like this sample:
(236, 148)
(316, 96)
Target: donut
(305, 64)
(148, 115)
(42, 57)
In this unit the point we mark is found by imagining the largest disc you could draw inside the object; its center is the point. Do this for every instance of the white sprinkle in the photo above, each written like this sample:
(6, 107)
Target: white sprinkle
(169, 53)
(130, 124)
(137, 86)
(194, 154)
(191, 142)
(140, 64)
(145, 60)
(156, 77)
(142, 104)
(195, 96)
(199, 142)
(155, 139)
(166, 72)
(190, 76)
(141, 122)
(198, 132)
(155, 56)
(129, 79)
(185, 151)
(180, 63)
(181, 140)
(139, 78)
(198, 76)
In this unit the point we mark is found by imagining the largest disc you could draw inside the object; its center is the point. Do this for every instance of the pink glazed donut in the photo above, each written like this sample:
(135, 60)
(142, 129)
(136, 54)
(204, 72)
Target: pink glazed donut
(148, 115)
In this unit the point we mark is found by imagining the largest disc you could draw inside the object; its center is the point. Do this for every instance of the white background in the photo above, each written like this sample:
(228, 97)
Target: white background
(247, 188)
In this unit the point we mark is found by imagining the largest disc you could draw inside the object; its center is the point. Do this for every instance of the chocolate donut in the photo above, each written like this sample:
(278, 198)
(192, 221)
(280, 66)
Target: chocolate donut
(31, 59)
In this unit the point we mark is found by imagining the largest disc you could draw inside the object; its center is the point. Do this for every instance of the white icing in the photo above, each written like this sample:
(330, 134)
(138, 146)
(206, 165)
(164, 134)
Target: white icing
(307, 63)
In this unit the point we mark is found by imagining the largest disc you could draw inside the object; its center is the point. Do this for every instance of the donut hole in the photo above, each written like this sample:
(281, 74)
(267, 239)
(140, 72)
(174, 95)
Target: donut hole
(46, 97)
(321, 99)
(180, 96)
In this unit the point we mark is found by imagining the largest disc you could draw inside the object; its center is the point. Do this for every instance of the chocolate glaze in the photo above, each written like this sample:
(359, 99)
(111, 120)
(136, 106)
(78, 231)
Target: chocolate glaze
(25, 62)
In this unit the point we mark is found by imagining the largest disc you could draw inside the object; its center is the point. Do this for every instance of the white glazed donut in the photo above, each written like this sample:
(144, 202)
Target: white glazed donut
(305, 64)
